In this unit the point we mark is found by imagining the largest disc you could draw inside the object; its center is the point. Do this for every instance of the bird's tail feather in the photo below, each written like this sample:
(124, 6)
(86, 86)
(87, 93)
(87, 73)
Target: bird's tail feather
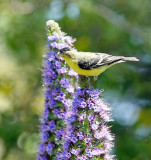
(130, 59)
(120, 59)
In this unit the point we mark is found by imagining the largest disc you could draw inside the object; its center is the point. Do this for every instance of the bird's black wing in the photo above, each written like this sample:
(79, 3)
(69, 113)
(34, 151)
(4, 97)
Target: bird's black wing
(98, 60)
(90, 63)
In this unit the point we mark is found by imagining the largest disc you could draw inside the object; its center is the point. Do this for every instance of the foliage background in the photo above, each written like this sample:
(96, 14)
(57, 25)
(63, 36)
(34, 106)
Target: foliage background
(119, 27)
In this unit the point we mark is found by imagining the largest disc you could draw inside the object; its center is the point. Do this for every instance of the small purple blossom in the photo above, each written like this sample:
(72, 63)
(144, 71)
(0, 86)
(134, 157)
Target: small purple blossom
(63, 155)
(70, 89)
(76, 151)
(87, 139)
(82, 116)
(51, 126)
(97, 151)
(82, 157)
(74, 138)
(95, 125)
(80, 135)
(88, 152)
(44, 136)
(90, 105)
(40, 157)
(41, 148)
(49, 148)
(72, 73)
(91, 117)
(64, 82)
(54, 37)
(69, 40)
(62, 70)
(59, 133)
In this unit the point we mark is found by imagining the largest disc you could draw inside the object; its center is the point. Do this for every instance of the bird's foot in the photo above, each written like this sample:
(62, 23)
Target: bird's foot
(95, 79)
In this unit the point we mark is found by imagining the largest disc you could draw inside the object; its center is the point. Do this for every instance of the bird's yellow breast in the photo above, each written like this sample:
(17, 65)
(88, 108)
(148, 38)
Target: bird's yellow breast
(76, 68)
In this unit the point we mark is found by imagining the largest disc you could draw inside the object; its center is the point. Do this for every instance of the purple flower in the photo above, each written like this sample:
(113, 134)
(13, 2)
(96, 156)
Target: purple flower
(105, 116)
(82, 116)
(72, 73)
(52, 103)
(66, 145)
(91, 117)
(49, 148)
(69, 40)
(98, 151)
(76, 151)
(108, 146)
(90, 105)
(59, 133)
(109, 157)
(71, 119)
(80, 135)
(88, 152)
(58, 64)
(60, 96)
(47, 45)
(70, 89)
(67, 102)
(63, 155)
(51, 126)
(44, 136)
(82, 157)
(80, 92)
(87, 139)
(62, 70)
(95, 125)
(73, 138)
(54, 37)
(45, 115)
(40, 157)
(64, 82)
(41, 148)
(81, 103)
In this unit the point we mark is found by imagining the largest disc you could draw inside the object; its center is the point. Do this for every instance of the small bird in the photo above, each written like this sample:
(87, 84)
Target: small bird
(91, 64)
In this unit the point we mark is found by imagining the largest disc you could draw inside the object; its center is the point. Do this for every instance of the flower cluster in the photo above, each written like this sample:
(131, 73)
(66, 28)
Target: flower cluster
(74, 123)
(58, 81)
(92, 136)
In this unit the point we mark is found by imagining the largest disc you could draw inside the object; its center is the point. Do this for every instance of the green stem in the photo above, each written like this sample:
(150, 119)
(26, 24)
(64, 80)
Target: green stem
(84, 82)
(86, 123)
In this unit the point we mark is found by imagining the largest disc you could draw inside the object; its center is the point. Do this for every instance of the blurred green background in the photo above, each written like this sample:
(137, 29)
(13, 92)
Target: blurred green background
(117, 27)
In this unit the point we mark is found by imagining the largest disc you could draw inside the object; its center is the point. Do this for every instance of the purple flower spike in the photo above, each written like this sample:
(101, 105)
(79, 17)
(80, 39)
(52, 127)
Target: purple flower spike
(94, 138)
(57, 115)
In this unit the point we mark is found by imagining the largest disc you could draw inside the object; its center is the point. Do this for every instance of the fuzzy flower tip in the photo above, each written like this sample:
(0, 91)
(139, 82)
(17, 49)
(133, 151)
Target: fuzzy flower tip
(91, 137)
(59, 82)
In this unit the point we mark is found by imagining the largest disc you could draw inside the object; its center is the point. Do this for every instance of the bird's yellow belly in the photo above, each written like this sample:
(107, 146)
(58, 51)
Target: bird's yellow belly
(91, 72)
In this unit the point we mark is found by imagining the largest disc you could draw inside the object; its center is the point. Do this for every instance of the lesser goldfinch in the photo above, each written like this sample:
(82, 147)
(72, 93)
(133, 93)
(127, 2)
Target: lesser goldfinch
(91, 64)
